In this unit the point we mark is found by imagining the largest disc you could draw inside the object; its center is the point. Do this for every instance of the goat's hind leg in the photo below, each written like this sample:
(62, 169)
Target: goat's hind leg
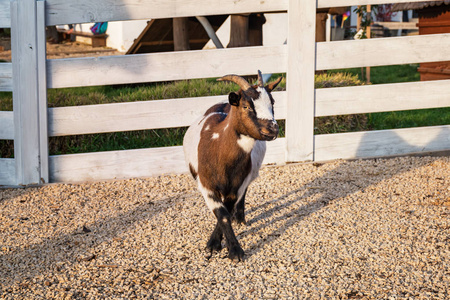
(239, 210)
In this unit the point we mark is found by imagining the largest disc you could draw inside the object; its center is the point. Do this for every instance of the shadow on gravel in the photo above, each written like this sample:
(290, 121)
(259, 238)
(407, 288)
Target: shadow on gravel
(340, 182)
(75, 247)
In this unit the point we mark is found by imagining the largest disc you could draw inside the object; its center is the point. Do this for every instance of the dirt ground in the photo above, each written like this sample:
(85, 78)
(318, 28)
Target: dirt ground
(367, 229)
(69, 49)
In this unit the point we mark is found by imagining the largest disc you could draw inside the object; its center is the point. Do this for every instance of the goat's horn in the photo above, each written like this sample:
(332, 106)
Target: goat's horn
(244, 85)
(260, 79)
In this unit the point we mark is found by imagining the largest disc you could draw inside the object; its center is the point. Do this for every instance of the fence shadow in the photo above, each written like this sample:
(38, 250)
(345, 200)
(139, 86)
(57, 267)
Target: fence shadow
(328, 185)
(72, 247)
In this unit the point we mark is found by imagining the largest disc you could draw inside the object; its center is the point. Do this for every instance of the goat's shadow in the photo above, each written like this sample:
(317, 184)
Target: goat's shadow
(336, 177)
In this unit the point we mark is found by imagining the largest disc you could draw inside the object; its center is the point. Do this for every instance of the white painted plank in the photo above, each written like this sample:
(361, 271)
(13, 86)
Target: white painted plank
(6, 125)
(7, 171)
(341, 3)
(137, 115)
(300, 80)
(42, 90)
(164, 66)
(385, 51)
(382, 97)
(276, 152)
(382, 143)
(133, 163)
(85, 11)
(117, 164)
(25, 100)
(5, 14)
(5, 77)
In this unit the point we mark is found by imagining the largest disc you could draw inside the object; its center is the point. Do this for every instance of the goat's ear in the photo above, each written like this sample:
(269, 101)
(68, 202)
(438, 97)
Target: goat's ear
(233, 98)
(271, 86)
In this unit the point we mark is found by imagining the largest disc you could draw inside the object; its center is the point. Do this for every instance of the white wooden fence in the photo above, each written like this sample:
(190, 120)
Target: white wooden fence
(30, 75)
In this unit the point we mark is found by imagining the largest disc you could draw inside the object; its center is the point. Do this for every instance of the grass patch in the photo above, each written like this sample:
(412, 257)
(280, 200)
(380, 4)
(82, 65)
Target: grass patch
(385, 74)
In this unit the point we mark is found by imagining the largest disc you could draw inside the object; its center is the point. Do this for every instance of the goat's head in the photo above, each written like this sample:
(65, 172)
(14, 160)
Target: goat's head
(253, 107)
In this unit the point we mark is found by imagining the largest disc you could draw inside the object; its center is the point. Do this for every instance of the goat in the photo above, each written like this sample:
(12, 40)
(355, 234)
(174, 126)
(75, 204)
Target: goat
(224, 150)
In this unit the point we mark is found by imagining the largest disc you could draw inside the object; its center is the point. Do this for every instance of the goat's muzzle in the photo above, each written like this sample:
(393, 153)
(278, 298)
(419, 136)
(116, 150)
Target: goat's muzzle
(270, 132)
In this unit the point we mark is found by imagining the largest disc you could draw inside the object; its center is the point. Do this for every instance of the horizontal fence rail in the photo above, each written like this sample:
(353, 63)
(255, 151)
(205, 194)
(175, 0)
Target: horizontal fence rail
(7, 171)
(382, 97)
(5, 77)
(133, 163)
(140, 115)
(164, 66)
(85, 11)
(72, 72)
(5, 14)
(341, 3)
(6, 125)
(383, 51)
(381, 143)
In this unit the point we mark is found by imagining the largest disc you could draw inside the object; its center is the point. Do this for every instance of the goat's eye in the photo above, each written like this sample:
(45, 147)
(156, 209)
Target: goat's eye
(247, 107)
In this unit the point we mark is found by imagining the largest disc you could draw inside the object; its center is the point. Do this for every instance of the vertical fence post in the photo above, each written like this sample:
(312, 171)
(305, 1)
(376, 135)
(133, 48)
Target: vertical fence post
(300, 80)
(27, 90)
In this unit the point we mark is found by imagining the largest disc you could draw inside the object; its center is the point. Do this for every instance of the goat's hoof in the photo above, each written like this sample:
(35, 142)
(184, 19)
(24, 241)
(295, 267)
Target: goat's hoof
(236, 254)
(214, 245)
(240, 219)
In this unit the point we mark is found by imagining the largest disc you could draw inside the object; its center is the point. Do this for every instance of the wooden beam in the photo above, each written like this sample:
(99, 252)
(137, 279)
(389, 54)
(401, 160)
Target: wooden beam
(300, 81)
(25, 100)
(7, 171)
(155, 67)
(115, 117)
(238, 31)
(382, 97)
(6, 77)
(86, 11)
(380, 52)
(341, 3)
(6, 125)
(382, 143)
(134, 163)
(5, 14)
(180, 34)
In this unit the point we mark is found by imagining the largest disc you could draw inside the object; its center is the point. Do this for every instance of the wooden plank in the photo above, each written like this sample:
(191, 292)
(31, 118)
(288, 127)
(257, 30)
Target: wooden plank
(341, 3)
(382, 143)
(42, 90)
(300, 81)
(7, 171)
(6, 125)
(25, 100)
(156, 67)
(5, 77)
(398, 25)
(385, 51)
(5, 14)
(382, 97)
(86, 11)
(137, 115)
(133, 163)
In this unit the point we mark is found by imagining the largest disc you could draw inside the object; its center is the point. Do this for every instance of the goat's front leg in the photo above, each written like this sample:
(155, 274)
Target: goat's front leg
(223, 227)
(235, 251)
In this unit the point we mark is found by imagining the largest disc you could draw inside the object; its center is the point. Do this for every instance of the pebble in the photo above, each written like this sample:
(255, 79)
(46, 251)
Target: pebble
(365, 229)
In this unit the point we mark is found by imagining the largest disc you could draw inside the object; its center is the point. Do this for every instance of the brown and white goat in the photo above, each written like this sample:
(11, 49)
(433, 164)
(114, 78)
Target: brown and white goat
(224, 150)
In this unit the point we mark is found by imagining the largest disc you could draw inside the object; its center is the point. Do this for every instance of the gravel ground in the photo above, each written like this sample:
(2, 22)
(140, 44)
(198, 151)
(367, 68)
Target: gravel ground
(368, 229)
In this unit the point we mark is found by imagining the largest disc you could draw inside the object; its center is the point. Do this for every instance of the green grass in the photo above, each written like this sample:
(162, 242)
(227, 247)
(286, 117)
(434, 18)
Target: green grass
(385, 74)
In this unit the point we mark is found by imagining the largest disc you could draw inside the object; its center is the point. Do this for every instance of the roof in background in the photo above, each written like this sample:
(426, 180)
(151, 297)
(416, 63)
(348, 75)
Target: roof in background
(418, 5)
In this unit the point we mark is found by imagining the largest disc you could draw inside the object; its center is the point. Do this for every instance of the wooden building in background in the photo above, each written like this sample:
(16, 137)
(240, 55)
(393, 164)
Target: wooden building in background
(434, 18)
